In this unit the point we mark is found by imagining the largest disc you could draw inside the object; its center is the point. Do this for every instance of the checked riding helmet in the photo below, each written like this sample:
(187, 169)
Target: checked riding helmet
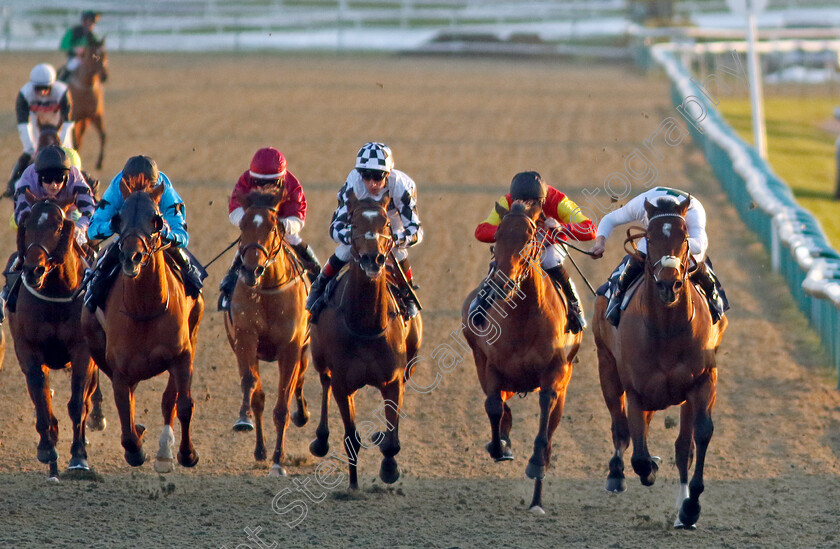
(375, 156)
(268, 167)
(528, 186)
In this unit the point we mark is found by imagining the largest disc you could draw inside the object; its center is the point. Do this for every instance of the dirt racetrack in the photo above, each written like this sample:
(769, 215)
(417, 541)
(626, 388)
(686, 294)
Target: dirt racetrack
(461, 128)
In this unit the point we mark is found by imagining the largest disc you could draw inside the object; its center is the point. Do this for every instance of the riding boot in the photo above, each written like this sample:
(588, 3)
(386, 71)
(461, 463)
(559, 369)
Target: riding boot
(12, 274)
(190, 271)
(99, 283)
(706, 279)
(310, 261)
(561, 278)
(631, 271)
(22, 162)
(410, 304)
(315, 302)
(229, 283)
(63, 74)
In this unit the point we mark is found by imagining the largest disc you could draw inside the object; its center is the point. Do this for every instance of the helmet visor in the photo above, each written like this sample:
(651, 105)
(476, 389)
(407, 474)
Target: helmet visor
(52, 176)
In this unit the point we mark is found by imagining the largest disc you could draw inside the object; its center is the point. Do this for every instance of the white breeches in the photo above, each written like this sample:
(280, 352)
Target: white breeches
(552, 256)
(343, 252)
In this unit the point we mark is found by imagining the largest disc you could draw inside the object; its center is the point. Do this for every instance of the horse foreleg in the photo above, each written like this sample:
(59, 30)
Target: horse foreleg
(132, 436)
(164, 460)
(38, 383)
(252, 392)
(506, 423)
(702, 399)
(187, 456)
(79, 128)
(301, 415)
(347, 406)
(639, 421)
(96, 419)
(614, 398)
(684, 453)
(81, 385)
(99, 124)
(495, 409)
(321, 445)
(286, 384)
(389, 444)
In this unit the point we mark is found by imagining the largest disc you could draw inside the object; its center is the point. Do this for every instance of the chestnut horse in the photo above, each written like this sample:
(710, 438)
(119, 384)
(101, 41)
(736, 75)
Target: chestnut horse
(662, 354)
(525, 347)
(88, 97)
(268, 321)
(46, 326)
(361, 339)
(149, 326)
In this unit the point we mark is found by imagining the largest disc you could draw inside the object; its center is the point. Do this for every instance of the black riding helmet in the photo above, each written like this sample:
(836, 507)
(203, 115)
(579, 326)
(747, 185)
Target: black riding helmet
(141, 165)
(528, 186)
(52, 159)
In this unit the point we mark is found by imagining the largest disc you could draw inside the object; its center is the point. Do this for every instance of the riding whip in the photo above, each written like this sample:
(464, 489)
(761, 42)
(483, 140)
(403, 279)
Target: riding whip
(232, 244)
(572, 259)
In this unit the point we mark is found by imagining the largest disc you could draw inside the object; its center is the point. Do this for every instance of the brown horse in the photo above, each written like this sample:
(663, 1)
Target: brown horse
(149, 326)
(361, 339)
(48, 135)
(268, 321)
(662, 354)
(519, 340)
(46, 326)
(88, 96)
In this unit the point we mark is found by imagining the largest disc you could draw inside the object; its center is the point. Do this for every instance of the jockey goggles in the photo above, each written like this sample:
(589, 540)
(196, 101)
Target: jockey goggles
(58, 176)
(371, 175)
(259, 182)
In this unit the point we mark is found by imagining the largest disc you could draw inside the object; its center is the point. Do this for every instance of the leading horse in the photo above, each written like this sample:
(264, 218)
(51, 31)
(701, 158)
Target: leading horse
(661, 354)
(268, 321)
(361, 339)
(519, 340)
(46, 326)
(149, 326)
(88, 96)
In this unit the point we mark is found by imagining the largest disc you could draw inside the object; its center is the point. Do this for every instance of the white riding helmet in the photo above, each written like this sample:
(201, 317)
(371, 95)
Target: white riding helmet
(42, 75)
(375, 156)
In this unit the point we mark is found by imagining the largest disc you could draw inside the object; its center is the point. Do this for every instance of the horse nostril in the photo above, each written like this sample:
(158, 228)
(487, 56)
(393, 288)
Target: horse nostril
(258, 272)
(678, 285)
(380, 260)
(38, 271)
(136, 257)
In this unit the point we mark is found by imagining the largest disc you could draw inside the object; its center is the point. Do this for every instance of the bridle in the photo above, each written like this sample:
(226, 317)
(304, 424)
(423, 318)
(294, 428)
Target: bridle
(151, 243)
(371, 235)
(534, 248)
(51, 261)
(668, 261)
(270, 255)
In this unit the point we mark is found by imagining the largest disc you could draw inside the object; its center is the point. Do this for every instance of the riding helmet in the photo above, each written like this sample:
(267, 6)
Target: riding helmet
(52, 158)
(375, 156)
(42, 75)
(528, 186)
(90, 15)
(141, 165)
(268, 163)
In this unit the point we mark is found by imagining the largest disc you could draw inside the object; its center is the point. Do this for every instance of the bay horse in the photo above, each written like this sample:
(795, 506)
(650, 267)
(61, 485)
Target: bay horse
(88, 96)
(149, 326)
(268, 321)
(661, 354)
(519, 340)
(361, 339)
(46, 324)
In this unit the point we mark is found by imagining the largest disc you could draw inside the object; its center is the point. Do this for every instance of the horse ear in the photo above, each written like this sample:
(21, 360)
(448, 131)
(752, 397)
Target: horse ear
(115, 223)
(30, 198)
(352, 201)
(124, 188)
(649, 208)
(384, 201)
(66, 202)
(684, 205)
(277, 197)
(500, 211)
(157, 192)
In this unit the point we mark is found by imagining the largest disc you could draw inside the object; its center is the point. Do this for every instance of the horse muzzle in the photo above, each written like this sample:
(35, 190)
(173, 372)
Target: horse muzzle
(131, 263)
(251, 275)
(34, 276)
(669, 291)
(372, 264)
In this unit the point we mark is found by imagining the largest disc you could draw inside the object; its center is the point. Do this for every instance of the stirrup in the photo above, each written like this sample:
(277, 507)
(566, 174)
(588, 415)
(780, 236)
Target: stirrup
(613, 312)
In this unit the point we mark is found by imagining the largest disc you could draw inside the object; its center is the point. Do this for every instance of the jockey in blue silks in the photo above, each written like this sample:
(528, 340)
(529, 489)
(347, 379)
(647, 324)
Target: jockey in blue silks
(174, 230)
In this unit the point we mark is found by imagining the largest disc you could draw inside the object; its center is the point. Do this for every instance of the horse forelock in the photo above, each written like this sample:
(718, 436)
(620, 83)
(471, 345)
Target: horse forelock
(138, 208)
(42, 213)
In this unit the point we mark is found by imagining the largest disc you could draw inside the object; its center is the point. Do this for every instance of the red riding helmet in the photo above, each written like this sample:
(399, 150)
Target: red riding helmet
(268, 163)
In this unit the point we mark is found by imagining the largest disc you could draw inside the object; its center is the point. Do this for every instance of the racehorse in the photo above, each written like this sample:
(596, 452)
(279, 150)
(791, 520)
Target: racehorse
(149, 326)
(46, 326)
(268, 321)
(88, 96)
(519, 340)
(662, 354)
(48, 135)
(361, 339)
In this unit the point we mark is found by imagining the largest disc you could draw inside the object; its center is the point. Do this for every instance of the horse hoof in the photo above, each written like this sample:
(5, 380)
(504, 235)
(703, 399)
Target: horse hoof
(135, 459)
(53, 480)
(534, 471)
(678, 525)
(164, 465)
(319, 447)
(243, 425)
(389, 471)
(47, 456)
(277, 470)
(657, 461)
(616, 485)
(538, 511)
(97, 423)
(506, 453)
(299, 419)
(188, 460)
(689, 513)
(78, 463)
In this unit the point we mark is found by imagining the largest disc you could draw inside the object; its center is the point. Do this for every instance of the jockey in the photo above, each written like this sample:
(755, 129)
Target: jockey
(268, 171)
(563, 219)
(51, 176)
(75, 41)
(373, 177)
(40, 101)
(695, 220)
(174, 231)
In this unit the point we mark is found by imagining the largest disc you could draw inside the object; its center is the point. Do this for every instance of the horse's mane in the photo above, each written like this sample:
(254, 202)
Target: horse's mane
(261, 199)
(667, 205)
(519, 208)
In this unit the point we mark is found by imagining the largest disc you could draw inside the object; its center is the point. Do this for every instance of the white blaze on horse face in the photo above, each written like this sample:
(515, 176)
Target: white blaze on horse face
(43, 219)
(258, 220)
(666, 228)
(370, 235)
(370, 215)
(670, 261)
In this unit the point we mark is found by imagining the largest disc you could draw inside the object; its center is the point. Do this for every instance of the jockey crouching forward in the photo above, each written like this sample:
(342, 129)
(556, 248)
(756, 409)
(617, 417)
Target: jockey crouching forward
(562, 220)
(698, 242)
(267, 171)
(373, 177)
(174, 231)
(51, 176)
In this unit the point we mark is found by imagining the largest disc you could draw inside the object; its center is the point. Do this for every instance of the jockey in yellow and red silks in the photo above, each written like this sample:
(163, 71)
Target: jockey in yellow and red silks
(563, 219)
